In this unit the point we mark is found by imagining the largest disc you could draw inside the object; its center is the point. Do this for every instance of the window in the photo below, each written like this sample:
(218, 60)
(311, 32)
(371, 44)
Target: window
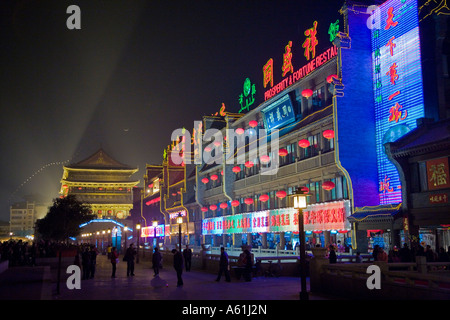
(316, 101)
(312, 150)
(328, 145)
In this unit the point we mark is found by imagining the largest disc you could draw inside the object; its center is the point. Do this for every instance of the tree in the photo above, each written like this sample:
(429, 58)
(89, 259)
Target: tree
(64, 218)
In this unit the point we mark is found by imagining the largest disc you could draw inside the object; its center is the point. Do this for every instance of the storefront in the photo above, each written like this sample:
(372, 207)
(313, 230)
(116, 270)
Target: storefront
(279, 227)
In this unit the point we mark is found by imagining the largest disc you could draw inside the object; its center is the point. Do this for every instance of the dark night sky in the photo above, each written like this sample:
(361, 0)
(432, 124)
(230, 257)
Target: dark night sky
(135, 71)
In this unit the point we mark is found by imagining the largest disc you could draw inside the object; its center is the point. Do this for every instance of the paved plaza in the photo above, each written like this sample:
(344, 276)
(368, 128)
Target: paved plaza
(40, 283)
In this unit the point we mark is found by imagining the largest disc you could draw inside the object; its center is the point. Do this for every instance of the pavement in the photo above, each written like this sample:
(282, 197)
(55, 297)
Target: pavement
(40, 283)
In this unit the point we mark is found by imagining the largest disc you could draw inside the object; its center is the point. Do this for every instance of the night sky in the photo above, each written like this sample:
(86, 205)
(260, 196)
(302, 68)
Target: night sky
(135, 71)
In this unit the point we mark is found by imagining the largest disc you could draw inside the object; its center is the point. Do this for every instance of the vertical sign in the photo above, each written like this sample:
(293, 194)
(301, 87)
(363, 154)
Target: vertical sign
(397, 85)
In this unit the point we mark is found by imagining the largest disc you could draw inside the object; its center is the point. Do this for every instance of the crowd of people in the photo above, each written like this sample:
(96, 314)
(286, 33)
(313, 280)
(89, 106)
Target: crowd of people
(24, 253)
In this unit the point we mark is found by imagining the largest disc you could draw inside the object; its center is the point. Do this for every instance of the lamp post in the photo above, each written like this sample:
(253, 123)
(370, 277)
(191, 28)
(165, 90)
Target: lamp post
(299, 204)
(179, 221)
(125, 229)
(138, 230)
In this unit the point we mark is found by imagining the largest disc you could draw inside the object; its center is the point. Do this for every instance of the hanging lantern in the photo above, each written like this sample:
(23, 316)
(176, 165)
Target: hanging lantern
(330, 78)
(304, 143)
(236, 169)
(221, 172)
(207, 149)
(307, 93)
(248, 201)
(328, 185)
(205, 180)
(223, 205)
(217, 143)
(249, 164)
(213, 207)
(239, 131)
(264, 159)
(283, 152)
(253, 123)
(204, 209)
(281, 194)
(329, 134)
(317, 231)
(214, 177)
(263, 197)
(234, 203)
(343, 231)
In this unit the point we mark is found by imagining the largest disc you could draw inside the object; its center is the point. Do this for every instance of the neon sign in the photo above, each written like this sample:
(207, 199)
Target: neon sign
(310, 42)
(247, 97)
(303, 71)
(397, 84)
(151, 231)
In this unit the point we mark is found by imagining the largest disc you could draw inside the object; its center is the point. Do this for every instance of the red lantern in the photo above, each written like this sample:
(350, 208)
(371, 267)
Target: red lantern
(204, 209)
(307, 93)
(239, 131)
(264, 159)
(281, 194)
(236, 169)
(263, 197)
(328, 185)
(213, 207)
(329, 134)
(317, 231)
(248, 201)
(221, 172)
(249, 164)
(217, 143)
(304, 143)
(214, 177)
(150, 185)
(205, 180)
(330, 78)
(223, 205)
(253, 123)
(282, 152)
(235, 203)
(207, 149)
(343, 231)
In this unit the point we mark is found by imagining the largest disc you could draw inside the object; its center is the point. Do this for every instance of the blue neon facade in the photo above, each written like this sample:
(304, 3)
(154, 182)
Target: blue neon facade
(397, 85)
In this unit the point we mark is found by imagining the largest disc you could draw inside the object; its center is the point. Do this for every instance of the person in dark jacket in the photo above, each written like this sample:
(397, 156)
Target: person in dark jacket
(332, 256)
(223, 266)
(178, 265)
(130, 254)
(114, 258)
(86, 263)
(156, 260)
(248, 263)
(187, 254)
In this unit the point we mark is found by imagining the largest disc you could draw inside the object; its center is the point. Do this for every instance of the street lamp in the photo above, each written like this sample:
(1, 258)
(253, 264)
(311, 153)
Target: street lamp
(138, 229)
(299, 199)
(179, 221)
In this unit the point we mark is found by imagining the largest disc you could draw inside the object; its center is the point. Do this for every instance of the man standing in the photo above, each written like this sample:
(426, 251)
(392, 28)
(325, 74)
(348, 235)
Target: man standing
(129, 258)
(223, 265)
(178, 265)
(187, 254)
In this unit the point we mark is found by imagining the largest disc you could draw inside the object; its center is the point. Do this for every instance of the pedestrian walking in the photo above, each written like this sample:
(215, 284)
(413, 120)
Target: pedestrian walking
(382, 256)
(178, 265)
(156, 260)
(129, 257)
(187, 254)
(114, 257)
(223, 266)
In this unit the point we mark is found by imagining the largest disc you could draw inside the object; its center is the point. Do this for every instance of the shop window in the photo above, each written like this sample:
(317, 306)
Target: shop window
(291, 156)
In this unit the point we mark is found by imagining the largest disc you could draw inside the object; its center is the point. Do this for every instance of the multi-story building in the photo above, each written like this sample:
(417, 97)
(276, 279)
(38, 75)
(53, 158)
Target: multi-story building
(103, 182)
(23, 216)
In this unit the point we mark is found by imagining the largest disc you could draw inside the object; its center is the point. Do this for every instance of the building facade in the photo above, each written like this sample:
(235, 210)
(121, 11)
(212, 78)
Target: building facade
(102, 182)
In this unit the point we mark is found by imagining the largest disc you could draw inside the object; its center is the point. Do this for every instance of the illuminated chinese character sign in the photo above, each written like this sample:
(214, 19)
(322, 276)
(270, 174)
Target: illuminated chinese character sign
(278, 113)
(438, 174)
(397, 85)
(325, 216)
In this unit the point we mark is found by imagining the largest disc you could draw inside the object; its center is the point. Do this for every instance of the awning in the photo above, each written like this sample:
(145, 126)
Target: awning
(375, 215)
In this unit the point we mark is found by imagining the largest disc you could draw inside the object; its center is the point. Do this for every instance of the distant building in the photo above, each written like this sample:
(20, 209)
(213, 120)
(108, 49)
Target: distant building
(102, 182)
(23, 216)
